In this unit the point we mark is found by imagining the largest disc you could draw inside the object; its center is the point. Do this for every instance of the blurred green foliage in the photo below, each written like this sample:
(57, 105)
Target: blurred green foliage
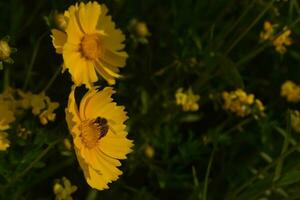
(209, 45)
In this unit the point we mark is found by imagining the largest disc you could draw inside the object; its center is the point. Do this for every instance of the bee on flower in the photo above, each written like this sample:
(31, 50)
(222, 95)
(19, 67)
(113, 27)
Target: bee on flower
(187, 99)
(290, 91)
(241, 103)
(90, 44)
(63, 189)
(99, 135)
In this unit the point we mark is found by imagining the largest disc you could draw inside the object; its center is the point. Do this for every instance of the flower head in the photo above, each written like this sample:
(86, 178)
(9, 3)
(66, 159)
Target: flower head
(290, 91)
(295, 120)
(282, 41)
(268, 31)
(90, 43)
(99, 135)
(241, 103)
(4, 142)
(187, 99)
(63, 189)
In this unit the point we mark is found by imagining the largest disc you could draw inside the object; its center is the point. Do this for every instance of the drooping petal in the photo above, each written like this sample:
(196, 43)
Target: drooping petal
(115, 147)
(72, 114)
(59, 39)
(94, 160)
(88, 16)
(114, 58)
(94, 178)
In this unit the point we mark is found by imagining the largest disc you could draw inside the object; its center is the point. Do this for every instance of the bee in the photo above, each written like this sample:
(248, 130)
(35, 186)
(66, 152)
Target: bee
(103, 126)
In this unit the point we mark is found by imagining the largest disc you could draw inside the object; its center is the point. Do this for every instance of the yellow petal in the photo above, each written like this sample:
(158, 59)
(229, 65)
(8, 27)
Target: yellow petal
(114, 58)
(73, 29)
(72, 115)
(110, 79)
(59, 39)
(115, 147)
(88, 15)
(109, 70)
(114, 37)
(82, 70)
(94, 98)
(95, 161)
(94, 178)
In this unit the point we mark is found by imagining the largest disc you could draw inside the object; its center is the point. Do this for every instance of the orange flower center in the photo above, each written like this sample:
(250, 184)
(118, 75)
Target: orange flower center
(91, 46)
(93, 130)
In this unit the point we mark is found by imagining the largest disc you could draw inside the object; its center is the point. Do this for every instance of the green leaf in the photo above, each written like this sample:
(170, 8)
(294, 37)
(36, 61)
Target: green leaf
(290, 178)
(230, 72)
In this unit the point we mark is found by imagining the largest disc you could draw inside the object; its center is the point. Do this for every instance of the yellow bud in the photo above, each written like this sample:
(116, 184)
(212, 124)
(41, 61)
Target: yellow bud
(149, 151)
(57, 188)
(141, 29)
(67, 144)
(60, 21)
(5, 50)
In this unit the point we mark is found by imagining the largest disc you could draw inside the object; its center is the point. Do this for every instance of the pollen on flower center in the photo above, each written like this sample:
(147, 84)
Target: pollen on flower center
(91, 46)
(93, 130)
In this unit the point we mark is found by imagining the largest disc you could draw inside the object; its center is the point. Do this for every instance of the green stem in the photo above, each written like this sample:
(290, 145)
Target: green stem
(53, 78)
(264, 170)
(241, 36)
(32, 61)
(30, 166)
(237, 21)
(6, 79)
(207, 173)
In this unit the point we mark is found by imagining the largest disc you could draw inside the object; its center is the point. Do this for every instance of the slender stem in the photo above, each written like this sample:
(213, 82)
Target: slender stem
(241, 36)
(53, 78)
(238, 20)
(6, 79)
(207, 173)
(30, 166)
(264, 170)
(33, 58)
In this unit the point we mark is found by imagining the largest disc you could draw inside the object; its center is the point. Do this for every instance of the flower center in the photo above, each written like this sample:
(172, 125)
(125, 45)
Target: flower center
(93, 130)
(91, 46)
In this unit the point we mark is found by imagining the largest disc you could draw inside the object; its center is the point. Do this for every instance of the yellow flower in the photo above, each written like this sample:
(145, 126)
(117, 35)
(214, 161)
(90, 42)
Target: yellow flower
(295, 121)
(25, 99)
(290, 91)
(48, 115)
(5, 50)
(38, 103)
(90, 44)
(241, 103)
(282, 41)
(99, 135)
(267, 33)
(63, 189)
(42, 106)
(6, 116)
(188, 100)
(4, 142)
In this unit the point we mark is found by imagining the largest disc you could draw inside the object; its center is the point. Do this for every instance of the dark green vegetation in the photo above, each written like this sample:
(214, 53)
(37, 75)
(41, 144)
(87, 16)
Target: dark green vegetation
(209, 45)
